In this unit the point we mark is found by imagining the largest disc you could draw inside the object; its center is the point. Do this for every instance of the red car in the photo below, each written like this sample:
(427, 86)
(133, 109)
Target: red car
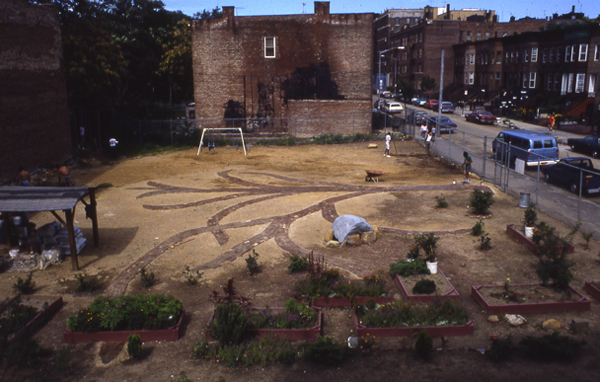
(431, 103)
(481, 116)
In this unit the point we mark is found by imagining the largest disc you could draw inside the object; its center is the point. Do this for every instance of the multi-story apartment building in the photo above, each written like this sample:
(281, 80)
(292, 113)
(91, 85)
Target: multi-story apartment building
(277, 68)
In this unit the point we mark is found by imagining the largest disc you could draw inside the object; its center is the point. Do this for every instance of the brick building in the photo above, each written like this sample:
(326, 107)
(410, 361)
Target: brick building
(34, 120)
(285, 70)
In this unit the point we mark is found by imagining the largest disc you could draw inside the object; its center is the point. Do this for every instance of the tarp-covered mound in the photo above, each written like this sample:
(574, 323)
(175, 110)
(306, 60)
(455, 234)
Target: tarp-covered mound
(349, 225)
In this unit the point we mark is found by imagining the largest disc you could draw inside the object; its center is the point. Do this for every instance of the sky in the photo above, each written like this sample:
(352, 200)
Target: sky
(504, 8)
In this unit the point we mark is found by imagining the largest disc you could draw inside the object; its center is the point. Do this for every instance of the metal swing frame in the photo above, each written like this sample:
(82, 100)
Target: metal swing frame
(222, 129)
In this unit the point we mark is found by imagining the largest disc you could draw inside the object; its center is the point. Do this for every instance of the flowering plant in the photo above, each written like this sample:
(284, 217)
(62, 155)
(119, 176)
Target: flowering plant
(332, 284)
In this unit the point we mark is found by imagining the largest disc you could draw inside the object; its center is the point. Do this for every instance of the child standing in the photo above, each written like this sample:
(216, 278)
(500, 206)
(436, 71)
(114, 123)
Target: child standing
(388, 139)
(467, 165)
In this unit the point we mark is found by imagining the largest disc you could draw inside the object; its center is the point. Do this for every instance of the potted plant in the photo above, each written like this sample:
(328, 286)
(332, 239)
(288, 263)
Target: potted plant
(530, 219)
(428, 242)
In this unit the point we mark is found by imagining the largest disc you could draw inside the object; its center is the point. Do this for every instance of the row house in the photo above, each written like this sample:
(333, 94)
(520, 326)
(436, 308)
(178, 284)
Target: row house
(559, 62)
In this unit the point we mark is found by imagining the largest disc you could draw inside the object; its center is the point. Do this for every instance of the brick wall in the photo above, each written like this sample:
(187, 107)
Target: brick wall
(34, 125)
(319, 117)
(230, 67)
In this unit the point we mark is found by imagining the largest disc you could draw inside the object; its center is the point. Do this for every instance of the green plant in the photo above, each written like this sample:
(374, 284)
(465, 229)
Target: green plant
(551, 348)
(258, 352)
(424, 286)
(60, 365)
(423, 344)
(295, 315)
(134, 346)
(481, 201)
(182, 377)
(587, 236)
(409, 268)
(229, 323)
(192, 277)
(553, 262)
(428, 243)
(500, 349)
(330, 283)
(87, 284)
(252, 264)
(146, 278)
(441, 202)
(26, 286)
(325, 351)
(485, 242)
(477, 229)
(530, 217)
(298, 264)
(413, 253)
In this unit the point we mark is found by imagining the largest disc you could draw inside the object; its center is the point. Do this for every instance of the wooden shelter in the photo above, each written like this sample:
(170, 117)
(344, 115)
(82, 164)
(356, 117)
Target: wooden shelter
(35, 199)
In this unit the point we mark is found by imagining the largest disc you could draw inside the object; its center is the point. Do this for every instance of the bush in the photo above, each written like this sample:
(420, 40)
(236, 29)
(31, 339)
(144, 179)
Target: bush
(551, 347)
(192, 277)
(325, 351)
(481, 201)
(428, 243)
(423, 344)
(298, 264)
(485, 242)
(441, 202)
(87, 284)
(146, 278)
(252, 264)
(409, 268)
(501, 349)
(554, 264)
(260, 352)
(424, 286)
(229, 323)
(26, 286)
(134, 346)
(477, 229)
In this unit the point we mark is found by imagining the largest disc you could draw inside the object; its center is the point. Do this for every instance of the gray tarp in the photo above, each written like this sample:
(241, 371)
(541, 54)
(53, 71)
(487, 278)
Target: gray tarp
(349, 225)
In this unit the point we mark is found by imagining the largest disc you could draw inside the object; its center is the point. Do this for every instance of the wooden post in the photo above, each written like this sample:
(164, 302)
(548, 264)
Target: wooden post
(94, 216)
(72, 245)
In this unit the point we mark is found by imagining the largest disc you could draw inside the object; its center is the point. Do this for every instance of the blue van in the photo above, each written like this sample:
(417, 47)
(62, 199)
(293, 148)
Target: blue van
(531, 147)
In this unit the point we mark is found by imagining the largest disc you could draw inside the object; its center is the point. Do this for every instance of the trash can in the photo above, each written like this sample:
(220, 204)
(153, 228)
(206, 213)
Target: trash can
(524, 199)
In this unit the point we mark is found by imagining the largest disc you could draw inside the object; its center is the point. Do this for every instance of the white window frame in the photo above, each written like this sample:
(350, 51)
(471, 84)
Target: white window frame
(534, 54)
(550, 80)
(567, 53)
(526, 55)
(580, 83)
(551, 57)
(583, 52)
(544, 54)
(525, 79)
(592, 86)
(268, 46)
(564, 84)
(532, 80)
(471, 78)
(573, 53)
(570, 83)
(471, 59)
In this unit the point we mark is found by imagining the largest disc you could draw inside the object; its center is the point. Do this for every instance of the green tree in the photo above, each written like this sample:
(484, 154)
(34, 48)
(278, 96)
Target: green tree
(176, 63)
(427, 83)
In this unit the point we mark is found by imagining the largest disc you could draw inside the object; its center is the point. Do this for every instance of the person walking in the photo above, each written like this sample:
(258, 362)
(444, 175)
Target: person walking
(467, 165)
(428, 140)
(423, 130)
(551, 122)
(388, 139)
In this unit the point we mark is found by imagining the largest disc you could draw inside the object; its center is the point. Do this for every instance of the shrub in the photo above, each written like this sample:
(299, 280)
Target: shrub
(424, 286)
(134, 346)
(182, 377)
(477, 229)
(553, 264)
(409, 268)
(551, 347)
(501, 349)
(146, 278)
(252, 264)
(485, 242)
(414, 252)
(229, 323)
(259, 352)
(26, 286)
(330, 283)
(296, 315)
(481, 201)
(441, 202)
(587, 236)
(530, 215)
(428, 243)
(423, 344)
(192, 277)
(298, 264)
(325, 351)
(87, 284)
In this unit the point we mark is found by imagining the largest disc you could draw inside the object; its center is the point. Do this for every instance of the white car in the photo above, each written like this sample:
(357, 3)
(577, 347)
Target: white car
(393, 107)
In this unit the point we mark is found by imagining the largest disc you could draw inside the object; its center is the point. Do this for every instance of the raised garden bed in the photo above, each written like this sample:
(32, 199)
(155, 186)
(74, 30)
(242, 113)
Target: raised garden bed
(443, 286)
(46, 305)
(516, 231)
(348, 301)
(577, 302)
(289, 334)
(171, 334)
(592, 288)
(408, 331)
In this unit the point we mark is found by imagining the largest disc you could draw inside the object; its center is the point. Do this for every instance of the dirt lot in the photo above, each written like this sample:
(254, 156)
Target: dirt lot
(208, 211)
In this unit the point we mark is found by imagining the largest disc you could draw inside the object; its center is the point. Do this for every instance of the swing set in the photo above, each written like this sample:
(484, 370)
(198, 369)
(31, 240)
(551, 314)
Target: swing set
(211, 137)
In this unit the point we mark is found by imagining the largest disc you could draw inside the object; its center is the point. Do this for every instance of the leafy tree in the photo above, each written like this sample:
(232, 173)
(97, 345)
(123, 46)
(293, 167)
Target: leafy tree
(176, 63)
(427, 83)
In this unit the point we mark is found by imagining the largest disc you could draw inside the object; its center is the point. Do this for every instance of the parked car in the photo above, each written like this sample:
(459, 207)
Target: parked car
(481, 116)
(379, 104)
(421, 117)
(447, 107)
(529, 146)
(588, 145)
(419, 101)
(446, 126)
(431, 103)
(393, 107)
(386, 94)
(567, 173)
(399, 97)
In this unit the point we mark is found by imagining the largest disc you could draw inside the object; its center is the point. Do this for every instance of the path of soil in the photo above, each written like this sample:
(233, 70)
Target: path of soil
(207, 212)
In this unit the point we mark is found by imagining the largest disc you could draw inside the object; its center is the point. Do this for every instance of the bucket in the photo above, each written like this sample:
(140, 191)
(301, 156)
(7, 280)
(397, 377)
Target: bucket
(524, 199)
(432, 267)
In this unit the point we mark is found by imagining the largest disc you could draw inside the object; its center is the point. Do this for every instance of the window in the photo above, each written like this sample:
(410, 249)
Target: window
(544, 55)
(564, 84)
(471, 59)
(573, 53)
(532, 76)
(568, 53)
(592, 86)
(583, 51)
(498, 57)
(551, 58)
(550, 81)
(270, 47)
(525, 79)
(498, 76)
(478, 36)
(558, 54)
(512, 56)
(534, 54)
(471, 78)
(556, 80)
(580, 83)
(597, 53)
(525, 55)
(570, 83)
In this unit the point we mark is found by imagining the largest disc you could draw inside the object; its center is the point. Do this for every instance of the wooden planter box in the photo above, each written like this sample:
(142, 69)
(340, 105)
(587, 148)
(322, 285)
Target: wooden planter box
(348, 301)
(408, 331)
(44, 315)
(171, 334)
(289, 334)
(580, 305)
(515, 231)
(452, 293)
(592, 289)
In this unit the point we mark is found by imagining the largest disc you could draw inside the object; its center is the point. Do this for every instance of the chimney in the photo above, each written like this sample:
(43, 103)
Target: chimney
(228, 13)
(573, 9)
(322, 8)
(447, 12)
